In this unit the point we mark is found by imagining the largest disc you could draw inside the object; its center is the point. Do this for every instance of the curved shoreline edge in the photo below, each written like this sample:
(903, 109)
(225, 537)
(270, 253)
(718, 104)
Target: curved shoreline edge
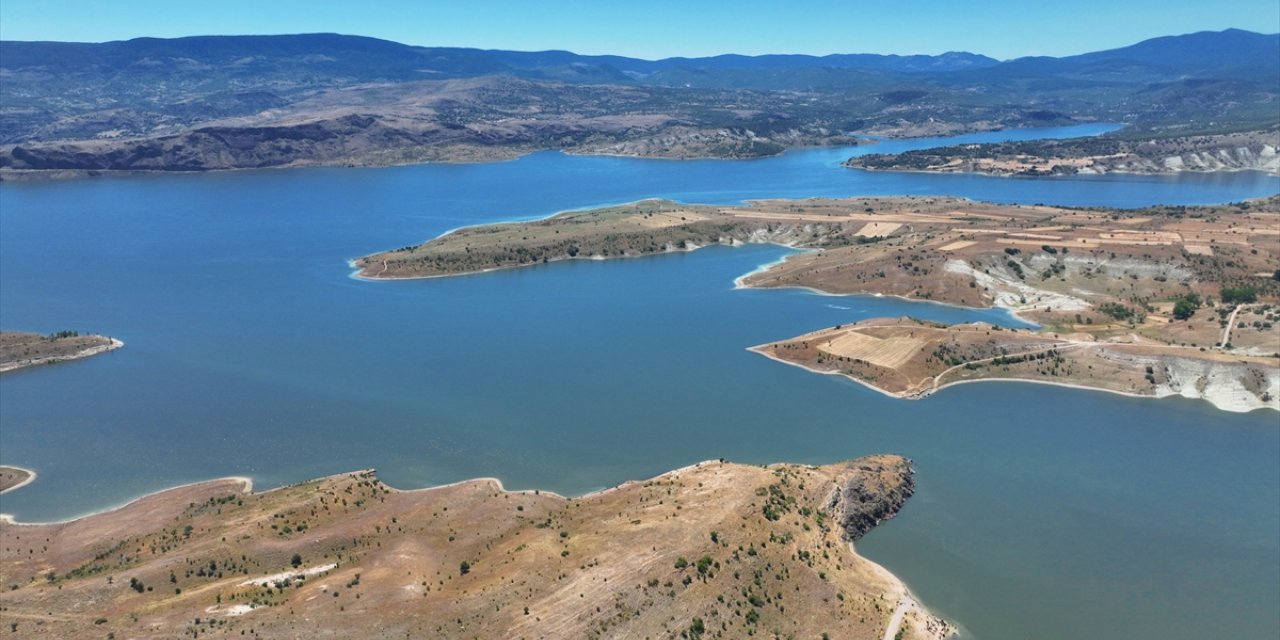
(851, 512)
(921, 395)
(79, 355)
(908, 601)
(1025, 305)
(740, 282)
(247, 487)
(31, 477)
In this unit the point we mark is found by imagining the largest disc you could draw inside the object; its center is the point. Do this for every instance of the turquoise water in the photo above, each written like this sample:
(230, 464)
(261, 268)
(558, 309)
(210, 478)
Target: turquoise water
(1041, 512)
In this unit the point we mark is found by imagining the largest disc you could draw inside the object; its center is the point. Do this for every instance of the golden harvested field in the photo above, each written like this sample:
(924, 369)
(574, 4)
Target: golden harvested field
(873, 229)
(957, 245)
(884, 352)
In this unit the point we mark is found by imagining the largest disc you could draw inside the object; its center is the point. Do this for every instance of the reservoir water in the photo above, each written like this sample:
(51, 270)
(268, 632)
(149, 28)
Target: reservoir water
(1041, 512)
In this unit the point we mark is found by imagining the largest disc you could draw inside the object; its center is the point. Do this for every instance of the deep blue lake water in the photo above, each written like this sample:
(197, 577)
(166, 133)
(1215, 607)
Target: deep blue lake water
(1041, 512)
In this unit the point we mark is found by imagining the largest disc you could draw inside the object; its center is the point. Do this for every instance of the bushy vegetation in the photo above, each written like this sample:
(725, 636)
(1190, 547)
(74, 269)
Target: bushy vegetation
(1239, 295)
(1186, 306)
(1117, 311)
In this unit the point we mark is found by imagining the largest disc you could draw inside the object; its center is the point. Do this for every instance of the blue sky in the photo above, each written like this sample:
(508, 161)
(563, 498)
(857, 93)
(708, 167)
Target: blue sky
(661, 28)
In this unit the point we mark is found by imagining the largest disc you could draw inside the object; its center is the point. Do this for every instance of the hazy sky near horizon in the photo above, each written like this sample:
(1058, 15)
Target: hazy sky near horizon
(661, 28)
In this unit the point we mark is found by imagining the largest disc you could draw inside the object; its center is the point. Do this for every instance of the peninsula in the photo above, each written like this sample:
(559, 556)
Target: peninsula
(12, 478)
(1152, 302)
(20, 349)
(713, 549)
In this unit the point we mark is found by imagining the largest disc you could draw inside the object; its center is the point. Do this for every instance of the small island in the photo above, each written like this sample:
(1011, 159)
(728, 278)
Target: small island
(712, 547)
(1168, 300)
(20, 349)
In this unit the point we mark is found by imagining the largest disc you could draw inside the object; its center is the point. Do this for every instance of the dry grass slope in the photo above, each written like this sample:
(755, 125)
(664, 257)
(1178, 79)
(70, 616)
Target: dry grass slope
(709, 551)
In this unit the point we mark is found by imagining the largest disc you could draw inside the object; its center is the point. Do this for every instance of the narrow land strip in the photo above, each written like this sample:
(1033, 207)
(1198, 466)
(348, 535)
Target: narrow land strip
(19, 350)
(13, 478)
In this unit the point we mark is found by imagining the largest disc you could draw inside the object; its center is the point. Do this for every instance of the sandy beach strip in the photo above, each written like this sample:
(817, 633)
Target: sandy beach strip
(31, 477)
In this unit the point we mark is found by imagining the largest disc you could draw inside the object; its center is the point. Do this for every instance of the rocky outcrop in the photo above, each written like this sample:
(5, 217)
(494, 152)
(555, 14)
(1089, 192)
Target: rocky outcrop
(1262, 158)
(875, 492)
(1228, 386)
(1243, 158)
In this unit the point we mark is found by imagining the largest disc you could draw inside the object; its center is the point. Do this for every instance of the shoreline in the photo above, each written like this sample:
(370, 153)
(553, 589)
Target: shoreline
(499, 155)
(757, 350)
(31, 477)
(877, 580)
(1012, 311)
(689, 248)
(247, 488)
(868, 141)
(1130, 394)
(79, 355)
(739, 282)
(30, 176)
(908, 600)
(921, 395)
(992, 174)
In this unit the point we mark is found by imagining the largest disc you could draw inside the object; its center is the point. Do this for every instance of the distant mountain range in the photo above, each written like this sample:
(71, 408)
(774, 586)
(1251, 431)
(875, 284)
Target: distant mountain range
(106, 96)
(373, 59)
(1233, 53)
(1208, 54)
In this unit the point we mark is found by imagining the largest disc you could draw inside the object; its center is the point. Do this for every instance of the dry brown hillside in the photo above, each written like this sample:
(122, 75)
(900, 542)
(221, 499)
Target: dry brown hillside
(714, 550)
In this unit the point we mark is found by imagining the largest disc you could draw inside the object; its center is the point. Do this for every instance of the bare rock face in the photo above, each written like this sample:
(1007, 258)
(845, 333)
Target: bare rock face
(875, 491)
